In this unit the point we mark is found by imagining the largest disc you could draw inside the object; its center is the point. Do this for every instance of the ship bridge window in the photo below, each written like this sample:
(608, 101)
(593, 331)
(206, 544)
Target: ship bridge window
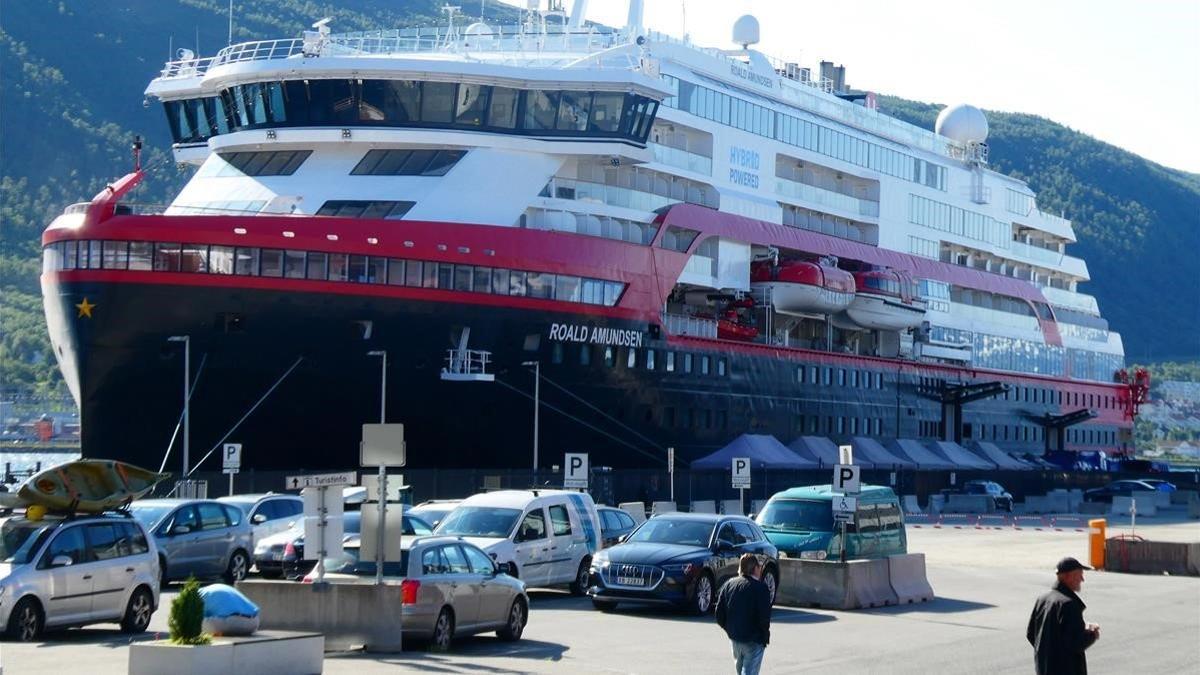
(540, 109)
(678, 238)
(347, 208)
(502, 108)
(573, 110)
(472, 104)
(407, 162)
(281, 163)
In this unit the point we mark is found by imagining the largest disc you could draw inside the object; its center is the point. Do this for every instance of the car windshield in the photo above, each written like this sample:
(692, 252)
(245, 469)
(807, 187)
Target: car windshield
(431, 514)
(148, 514)
(479, 521)
(19, 539)
(975, 489)
(674, 531)
(797, 515)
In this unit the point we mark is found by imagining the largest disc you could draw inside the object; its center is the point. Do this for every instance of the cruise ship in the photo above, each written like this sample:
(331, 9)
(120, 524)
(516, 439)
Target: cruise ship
(601, 240)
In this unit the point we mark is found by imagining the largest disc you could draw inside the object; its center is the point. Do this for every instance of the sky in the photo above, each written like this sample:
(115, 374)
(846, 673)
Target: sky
(1124, 71)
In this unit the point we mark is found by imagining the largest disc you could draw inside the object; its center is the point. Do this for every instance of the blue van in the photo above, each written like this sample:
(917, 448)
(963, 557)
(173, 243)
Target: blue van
(799, 521)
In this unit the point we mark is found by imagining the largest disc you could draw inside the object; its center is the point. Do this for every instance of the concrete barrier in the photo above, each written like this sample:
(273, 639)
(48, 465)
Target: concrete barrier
(704, 506)
(1072, 498)
(1145, 505)
(732, 507)
(1093, 508)
(906, 573)
(349, 615)
(268, 653)
(1151, 557)
(855, 584)
(635, 509)
(970, 504)
(662, 507)
(1051, 503)
(1162, 499)
(911, 507)
(1194, 505)
(1181, 497)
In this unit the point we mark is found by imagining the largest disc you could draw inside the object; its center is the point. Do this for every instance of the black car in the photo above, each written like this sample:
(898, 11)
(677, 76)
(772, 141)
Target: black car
(283, 554)
(1117, 488)
(614, 524)
(1001, 498)
(679, 559)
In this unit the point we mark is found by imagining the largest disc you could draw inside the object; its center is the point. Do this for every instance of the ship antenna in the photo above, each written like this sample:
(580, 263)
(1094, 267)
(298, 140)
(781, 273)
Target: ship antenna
(137, 153)
(230, 40)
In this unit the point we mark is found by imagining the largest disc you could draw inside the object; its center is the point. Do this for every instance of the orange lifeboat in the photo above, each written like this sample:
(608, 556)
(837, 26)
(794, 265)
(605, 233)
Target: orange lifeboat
(803, 287)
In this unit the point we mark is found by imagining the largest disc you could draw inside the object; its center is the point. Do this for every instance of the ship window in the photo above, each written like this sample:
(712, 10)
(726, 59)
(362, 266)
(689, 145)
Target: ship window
(339, 265)
(593, 292)
(516, 283)
(612, 292)
(585, 355)
(500, 281)
(502, 108)
(194, 258)
(573, 109)
(271, 263)
(412, 273)
(631, 358)
(566, 288)
(93, 255)
(827, 376)
(812, 374)
(293, 264)
(720, 367)
(246, 262)
(610, 357)
(841, 377)
(220, 260)
(606, 112)
(407, 162)
(141, 255)
(429, 276)
(853, 425)
(116, 255)
(649, 359)
(283, 163)
(445, 275)
(705, 365)
(463, 275)
(483, 280)
(541, 285)
(437, 101)
(670, 362)
(72, 253)
(346, 208)
(541, 108)
(472, 103)
(556, 353)
(879, 380)
(687, 363)
(357, 269)
(394, 272)
(316, 266)
(878, 426)
(707, 419)
(390, 101)
(853, 378)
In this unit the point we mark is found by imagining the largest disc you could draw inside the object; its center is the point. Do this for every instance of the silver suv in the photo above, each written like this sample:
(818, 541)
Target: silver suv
(57, 573)
(197, 537)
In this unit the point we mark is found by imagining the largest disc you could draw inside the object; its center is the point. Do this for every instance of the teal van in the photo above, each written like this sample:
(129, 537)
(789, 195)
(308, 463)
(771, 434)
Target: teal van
(799, 521)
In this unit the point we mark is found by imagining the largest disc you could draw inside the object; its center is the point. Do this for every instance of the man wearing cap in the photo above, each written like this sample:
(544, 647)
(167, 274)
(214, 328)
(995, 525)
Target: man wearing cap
(1056, 628)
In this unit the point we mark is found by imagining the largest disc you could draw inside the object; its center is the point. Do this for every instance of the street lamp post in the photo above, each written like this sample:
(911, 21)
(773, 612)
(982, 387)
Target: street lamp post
(537, 381)
(187, 371)
(379, 539)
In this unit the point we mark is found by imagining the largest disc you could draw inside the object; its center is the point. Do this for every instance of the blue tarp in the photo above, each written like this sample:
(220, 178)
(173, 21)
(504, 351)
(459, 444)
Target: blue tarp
(993, 454)
(765, 452)
(817, 449)
(919, 454)
(870, 454)
(221, 601)
(960, 456)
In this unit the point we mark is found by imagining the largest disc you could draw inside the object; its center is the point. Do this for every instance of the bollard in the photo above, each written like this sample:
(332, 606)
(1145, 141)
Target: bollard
(1096, 539)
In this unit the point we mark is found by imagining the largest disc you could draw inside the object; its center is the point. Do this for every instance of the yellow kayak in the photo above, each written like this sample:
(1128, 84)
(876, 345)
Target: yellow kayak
(88, 485)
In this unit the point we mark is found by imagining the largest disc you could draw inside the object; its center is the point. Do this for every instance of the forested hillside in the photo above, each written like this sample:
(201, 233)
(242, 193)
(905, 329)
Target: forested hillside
(71, 82)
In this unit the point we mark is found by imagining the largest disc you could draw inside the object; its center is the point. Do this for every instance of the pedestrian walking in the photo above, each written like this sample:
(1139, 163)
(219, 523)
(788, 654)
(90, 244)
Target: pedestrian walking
(744, 611)
(1056, 628)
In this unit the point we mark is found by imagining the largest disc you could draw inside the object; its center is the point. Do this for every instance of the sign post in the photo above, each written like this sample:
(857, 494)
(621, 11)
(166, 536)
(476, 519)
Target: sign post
(321, 514)
(231, 461)
(671, 470)
(847, 483)
(382, 446)
(741, 478)
(575, 471)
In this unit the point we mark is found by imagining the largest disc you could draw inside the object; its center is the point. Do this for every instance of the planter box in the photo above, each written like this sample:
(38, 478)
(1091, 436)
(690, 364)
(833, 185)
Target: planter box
(266, 653)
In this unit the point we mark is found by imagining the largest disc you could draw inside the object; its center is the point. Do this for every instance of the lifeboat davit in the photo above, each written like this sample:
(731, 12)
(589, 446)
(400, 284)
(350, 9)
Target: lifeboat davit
(803, 287)
(884, 300)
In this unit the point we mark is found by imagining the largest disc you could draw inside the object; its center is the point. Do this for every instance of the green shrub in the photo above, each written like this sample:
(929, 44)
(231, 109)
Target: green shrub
(187, 616)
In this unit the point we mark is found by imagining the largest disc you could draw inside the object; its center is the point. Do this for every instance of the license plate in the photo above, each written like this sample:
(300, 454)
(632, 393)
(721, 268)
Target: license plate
(631, 581)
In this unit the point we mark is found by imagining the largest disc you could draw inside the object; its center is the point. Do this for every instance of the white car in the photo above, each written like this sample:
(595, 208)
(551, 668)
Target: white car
(59, 573)
(268, 513)
(543, 537)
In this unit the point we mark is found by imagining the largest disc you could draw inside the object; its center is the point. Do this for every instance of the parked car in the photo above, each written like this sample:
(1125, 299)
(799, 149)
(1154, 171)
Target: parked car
(680, 559)
(434, 510)
(1160, 484)
(614, 524)
(282, 555)
(90, 569)
(269, 513)
(1117, 488)
(800, 522)
(1002, 500)
(449, 588)
(543, 537)
(197, 537)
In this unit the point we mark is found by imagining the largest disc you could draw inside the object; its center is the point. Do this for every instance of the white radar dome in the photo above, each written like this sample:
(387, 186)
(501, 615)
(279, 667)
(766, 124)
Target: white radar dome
(962, 123)
(745, 31)
(478, 28)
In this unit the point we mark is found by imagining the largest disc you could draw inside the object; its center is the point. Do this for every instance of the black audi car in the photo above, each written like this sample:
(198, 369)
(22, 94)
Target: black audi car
(679, 559)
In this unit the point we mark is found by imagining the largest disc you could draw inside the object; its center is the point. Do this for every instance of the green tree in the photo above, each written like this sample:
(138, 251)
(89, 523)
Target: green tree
(187, 616)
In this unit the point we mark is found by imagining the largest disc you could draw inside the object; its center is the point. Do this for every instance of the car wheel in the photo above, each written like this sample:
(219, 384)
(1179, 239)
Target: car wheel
(512, 570)
(137, 612)
(583, 578)
(238, 565)
(516, 622)
(443, 630)
(26, 621)
(771, 579)
(703, 602)
(604, 605)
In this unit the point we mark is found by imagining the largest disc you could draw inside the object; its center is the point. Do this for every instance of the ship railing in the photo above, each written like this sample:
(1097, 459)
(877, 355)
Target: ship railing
(683, 324)
(467, 365)
(805, 192)
(682, 159)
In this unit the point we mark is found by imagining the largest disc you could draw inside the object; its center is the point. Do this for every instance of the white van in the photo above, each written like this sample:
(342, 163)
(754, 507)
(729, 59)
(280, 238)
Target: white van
(543, 537)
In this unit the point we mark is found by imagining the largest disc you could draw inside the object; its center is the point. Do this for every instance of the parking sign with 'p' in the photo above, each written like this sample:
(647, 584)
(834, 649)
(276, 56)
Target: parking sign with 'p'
(741, 472)
(575, 473)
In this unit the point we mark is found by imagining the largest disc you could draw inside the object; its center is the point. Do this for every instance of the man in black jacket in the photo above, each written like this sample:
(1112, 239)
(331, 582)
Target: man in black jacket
(744, 611)
(1056, 628)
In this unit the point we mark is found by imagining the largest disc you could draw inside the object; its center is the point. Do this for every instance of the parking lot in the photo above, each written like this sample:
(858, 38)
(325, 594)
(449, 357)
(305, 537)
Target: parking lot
(985, 580)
